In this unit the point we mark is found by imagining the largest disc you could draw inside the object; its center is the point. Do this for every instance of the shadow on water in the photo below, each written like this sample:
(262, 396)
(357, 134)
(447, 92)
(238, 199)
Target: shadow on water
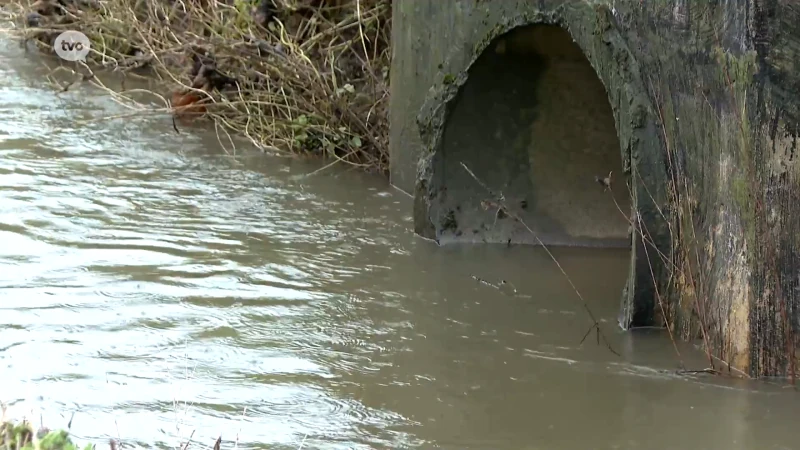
(155, 285)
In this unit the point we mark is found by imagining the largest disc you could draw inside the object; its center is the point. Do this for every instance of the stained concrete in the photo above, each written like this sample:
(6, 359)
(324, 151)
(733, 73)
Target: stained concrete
(534, 124)
(543, 171)
(703, 99)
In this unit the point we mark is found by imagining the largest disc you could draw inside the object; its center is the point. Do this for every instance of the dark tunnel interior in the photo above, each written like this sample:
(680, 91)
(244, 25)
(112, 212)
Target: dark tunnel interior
(532, 122)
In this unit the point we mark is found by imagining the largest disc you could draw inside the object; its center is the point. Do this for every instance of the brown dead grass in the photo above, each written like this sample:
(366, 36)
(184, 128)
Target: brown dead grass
(306, 76)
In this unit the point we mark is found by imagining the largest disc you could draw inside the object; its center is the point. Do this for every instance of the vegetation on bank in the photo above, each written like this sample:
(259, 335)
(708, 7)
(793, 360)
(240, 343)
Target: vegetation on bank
(306, 76)
(22, 436)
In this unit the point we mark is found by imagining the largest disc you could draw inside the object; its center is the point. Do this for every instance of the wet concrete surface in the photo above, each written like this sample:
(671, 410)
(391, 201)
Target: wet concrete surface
(533, 125)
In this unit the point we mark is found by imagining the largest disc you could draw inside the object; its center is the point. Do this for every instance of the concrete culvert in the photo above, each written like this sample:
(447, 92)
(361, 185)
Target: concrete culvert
(533, 122)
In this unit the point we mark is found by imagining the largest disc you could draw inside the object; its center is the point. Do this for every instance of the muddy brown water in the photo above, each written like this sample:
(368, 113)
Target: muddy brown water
(159, 289)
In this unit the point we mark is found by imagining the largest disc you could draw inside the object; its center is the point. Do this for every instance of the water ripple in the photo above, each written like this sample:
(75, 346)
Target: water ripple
(136, 270)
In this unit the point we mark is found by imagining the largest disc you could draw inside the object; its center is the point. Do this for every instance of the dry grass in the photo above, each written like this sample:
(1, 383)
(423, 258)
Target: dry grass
(303, 76)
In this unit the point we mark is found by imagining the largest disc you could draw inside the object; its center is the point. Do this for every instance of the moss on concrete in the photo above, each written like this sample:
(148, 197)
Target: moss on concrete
(705, 98)
(607, 51)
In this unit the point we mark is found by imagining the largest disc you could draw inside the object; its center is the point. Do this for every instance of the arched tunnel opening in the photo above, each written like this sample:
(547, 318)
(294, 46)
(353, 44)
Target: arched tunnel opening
(532, 123)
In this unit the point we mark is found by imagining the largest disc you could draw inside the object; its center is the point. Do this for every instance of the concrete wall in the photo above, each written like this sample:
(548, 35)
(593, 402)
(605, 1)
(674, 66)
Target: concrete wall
(692, 104)
(533, 122)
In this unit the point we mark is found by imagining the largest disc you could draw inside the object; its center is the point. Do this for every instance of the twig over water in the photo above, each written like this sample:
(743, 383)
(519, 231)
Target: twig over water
(498, 201)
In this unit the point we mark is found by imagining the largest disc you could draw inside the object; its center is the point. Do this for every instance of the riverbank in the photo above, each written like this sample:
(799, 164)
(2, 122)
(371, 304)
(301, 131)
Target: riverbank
(307, 77)
(22, 436)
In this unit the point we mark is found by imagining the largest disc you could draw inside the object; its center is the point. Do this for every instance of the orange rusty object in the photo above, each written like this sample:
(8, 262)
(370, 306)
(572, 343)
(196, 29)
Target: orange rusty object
(187, 104)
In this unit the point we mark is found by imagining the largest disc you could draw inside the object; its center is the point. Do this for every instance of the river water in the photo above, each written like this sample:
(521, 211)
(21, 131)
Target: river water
(161, 289)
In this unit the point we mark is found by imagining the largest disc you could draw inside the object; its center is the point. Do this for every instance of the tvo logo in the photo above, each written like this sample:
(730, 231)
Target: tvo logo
(72, 46)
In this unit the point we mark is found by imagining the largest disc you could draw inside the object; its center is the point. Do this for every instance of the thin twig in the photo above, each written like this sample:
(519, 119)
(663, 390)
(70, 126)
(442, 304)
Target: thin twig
(499, 202)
